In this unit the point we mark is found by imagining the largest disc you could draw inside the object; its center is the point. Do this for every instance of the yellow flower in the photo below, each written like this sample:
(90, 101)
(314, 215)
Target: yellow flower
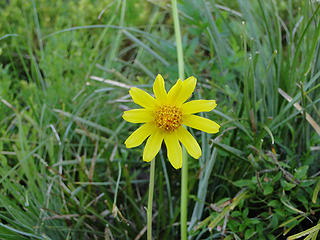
(164, 117)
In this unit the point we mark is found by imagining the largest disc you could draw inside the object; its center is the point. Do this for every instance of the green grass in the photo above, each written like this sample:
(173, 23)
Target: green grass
(64, 170)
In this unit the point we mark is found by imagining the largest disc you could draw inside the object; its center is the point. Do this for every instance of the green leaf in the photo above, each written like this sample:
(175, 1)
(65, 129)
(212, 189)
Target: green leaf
(301, 172)
(249, 233)
(277, 177)
(254, 221)
(306, 183)
(271, 236)
(245, 213)
(267, 189)
(316, 191)
(286, 185)
(236, 214)
(306, 232)
(274, 203)
(280, 212)
(242, 183)
(274, 221)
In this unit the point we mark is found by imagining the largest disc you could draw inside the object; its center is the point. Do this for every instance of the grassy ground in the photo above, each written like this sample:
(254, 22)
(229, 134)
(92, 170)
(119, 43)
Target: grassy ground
(64, 170)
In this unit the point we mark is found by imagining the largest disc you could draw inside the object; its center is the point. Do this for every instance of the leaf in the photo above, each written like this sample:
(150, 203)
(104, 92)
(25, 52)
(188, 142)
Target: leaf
(274, 203)
(267, 189)
(277, 177)
(286, 185)
(249, 233)
(236, 214)
(311, 121)
(306, 232)
(243, 183)
(316, 191)
(301, 172)
(254, 221)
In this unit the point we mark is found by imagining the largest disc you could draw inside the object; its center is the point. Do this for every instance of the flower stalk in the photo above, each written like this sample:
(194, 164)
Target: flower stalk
(178, 38)
(184, 175)
(150, 199)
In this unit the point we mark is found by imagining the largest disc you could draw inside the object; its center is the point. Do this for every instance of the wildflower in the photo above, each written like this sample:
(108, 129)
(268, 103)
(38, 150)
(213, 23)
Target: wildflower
(165, 117)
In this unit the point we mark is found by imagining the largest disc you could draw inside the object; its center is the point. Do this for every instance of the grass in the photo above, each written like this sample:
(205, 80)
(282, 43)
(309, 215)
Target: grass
(64, 170)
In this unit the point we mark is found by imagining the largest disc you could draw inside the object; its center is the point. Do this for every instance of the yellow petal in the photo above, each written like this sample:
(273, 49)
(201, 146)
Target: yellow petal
(159, 90)
(198, 106)
(200, 123)
(174, 92)
(174, 150)
(189, 142)
(138, 115)
(139, 135)
(153, 146)
(142, 98)
(186, 90)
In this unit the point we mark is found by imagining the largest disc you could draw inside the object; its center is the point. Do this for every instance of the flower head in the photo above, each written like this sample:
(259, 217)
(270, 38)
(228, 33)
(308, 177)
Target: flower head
(165, 117)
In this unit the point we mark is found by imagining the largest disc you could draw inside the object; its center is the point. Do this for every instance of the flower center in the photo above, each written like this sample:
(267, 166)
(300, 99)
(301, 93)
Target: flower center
(168, 118)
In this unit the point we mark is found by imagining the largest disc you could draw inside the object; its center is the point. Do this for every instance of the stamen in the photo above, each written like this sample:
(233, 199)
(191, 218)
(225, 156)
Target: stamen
(168, 118)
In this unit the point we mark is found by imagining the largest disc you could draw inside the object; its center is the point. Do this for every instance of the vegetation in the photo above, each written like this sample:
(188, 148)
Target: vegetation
(65, 71)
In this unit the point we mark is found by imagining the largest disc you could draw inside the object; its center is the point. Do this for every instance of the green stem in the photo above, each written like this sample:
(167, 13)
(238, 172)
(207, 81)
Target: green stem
(150, 197)
(178, 38)
(184, 195)
(184, 175)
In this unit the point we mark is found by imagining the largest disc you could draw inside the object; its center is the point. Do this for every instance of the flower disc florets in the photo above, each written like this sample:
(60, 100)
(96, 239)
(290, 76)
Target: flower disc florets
(168, 118)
